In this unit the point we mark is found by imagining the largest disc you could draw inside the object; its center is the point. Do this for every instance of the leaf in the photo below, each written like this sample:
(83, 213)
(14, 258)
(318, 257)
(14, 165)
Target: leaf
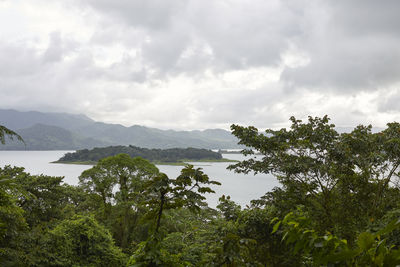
(365, 240)
(272, 221)
(287, 217)
(276, 227)
(389, 228)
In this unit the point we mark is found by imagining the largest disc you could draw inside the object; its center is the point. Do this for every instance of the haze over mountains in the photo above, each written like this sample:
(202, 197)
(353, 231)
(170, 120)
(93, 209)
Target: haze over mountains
(59, 131)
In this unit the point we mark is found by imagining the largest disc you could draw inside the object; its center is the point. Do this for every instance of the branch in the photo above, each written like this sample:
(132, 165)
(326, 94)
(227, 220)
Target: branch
(9, 133)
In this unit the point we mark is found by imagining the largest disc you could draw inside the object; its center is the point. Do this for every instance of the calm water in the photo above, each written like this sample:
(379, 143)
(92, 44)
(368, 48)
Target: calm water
(242, 188)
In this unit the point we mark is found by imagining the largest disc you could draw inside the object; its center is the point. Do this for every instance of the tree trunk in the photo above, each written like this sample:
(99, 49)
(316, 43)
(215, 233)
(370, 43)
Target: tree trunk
(160, 211)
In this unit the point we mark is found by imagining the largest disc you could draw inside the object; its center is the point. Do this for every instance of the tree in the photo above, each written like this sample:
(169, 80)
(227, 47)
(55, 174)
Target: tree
(39, 202)
(185, 191)
(337, 177)
(12, 221)
(82, 241)
(11, 216)
(117, 182)
(163, 193)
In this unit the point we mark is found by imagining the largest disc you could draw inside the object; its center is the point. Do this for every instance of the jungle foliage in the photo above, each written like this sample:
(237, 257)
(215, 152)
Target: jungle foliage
(338, 205)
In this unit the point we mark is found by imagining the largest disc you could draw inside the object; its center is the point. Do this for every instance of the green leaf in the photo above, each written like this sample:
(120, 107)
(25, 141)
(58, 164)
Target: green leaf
(287, 217)
(276, 227)
(365, 240)
(389, 228)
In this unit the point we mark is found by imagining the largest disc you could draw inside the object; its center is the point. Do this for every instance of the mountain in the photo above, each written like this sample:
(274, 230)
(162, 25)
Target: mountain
(48, 137)
(17, 120)
(55, 131)
(154, 138)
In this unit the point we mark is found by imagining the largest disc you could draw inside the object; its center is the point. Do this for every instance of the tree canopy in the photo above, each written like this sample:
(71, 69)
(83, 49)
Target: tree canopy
(153, 155)
(344, 179)
(338, 205)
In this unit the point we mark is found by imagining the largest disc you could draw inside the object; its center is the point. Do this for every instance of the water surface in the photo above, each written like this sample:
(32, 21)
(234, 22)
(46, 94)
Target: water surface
(242, 188)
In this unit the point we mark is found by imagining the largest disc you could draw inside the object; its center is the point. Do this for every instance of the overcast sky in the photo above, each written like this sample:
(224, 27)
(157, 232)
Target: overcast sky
(196, 64)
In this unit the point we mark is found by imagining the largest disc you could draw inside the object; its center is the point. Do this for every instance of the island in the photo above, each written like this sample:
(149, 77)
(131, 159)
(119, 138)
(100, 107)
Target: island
(171, 156)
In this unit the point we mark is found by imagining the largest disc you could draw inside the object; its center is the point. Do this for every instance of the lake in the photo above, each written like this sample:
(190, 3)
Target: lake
(242, 188)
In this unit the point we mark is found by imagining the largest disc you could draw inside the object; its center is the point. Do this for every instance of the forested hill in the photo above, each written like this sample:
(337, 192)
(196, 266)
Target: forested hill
(57, 131)
(171, 155)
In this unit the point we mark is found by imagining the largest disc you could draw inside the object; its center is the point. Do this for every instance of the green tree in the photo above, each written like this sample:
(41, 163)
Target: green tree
(82, 241)
(163, 194)
(117, 183)
(185, 191)
(42, 202)
(228, 208)
(341, 179)
(12, 221)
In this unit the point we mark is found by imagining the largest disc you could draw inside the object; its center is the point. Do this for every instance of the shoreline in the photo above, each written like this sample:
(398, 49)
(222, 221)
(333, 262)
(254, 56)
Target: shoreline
(183, 162)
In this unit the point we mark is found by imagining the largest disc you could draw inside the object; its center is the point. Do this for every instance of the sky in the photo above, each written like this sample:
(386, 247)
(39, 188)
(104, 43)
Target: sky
(195, 64)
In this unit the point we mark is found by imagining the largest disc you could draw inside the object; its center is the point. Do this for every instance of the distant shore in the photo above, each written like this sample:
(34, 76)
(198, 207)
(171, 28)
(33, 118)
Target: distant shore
(178, 163)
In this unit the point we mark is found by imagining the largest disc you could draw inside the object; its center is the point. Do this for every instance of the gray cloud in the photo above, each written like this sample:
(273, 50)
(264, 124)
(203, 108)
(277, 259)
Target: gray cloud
(54, 51)
(17, 60)
(349, 44)
(151, 14)
(389, 101)
(198, 64)
(228, 35)
(355, 47)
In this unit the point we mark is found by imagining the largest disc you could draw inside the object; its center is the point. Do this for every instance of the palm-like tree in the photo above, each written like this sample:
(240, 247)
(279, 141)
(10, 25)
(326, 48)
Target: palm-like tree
(5, 132)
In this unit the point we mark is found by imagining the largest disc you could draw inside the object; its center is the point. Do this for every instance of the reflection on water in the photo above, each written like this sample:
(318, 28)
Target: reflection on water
(242, 188)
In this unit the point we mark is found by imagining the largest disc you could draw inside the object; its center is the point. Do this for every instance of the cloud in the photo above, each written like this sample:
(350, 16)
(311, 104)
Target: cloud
(349, 46)
(223, 36)
(151, 14)
(353, 48)
(191, 64)
(54, 51)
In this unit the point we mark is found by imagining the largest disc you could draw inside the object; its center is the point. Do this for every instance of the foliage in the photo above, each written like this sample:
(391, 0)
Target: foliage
(118, 183)
(165, 194)
(371, 249)
(185, 191)
(336, 177)
(12, 221)
(47, 197)
(228, 208)
(41, 202)
(81, 241)
(5, 132)
(338, 206)
(153, 155)
(191, 236)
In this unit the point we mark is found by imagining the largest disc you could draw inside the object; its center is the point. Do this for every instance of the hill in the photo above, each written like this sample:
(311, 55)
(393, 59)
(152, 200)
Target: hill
(47, 137)
(17, 120)
(55, 131)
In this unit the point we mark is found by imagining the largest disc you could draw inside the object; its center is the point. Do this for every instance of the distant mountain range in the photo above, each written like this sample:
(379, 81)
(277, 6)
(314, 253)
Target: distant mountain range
(63, 131)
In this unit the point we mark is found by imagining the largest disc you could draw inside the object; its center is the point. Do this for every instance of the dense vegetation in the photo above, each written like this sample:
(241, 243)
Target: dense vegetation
(338, 206)
(153, 155)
